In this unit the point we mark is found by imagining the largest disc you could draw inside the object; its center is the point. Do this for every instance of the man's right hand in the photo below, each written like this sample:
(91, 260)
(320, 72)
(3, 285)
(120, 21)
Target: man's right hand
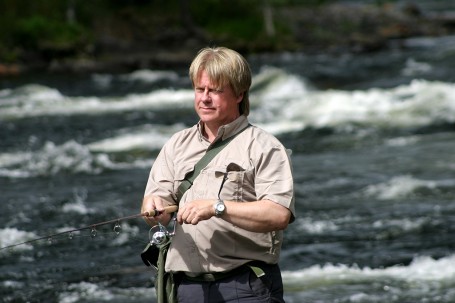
(152, 203)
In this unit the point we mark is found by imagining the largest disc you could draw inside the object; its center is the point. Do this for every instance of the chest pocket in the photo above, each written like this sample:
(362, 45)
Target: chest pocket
(231, 179)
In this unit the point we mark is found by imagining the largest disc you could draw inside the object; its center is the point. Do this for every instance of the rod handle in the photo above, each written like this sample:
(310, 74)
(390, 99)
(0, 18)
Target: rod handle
(168, 209)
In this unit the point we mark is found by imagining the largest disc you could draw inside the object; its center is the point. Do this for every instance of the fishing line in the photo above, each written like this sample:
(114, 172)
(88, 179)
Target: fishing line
(93, 231)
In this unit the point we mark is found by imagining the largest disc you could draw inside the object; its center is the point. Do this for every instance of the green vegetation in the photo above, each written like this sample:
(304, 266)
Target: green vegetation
(40, 32)
(53, 28)
(46, 31)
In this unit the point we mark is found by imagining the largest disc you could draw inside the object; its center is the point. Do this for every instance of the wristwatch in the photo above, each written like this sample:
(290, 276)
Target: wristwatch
(219, 207)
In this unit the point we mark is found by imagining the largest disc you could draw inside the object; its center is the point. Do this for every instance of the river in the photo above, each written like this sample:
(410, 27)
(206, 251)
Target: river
(372, 136)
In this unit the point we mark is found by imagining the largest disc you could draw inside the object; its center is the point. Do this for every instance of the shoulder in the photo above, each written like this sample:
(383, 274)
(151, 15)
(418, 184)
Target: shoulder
(181, 141)
(183, 136)
(262, 138)
(264, 145)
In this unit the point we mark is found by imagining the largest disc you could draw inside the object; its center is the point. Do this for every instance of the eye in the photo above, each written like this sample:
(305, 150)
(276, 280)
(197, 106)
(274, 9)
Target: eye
(210, 91)
(214, 91)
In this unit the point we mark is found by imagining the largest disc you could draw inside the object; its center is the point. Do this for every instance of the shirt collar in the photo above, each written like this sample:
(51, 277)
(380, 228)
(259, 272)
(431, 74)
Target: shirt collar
(227, 130)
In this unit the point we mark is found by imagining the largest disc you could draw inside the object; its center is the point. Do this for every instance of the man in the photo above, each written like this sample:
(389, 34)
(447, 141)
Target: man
(231, 220)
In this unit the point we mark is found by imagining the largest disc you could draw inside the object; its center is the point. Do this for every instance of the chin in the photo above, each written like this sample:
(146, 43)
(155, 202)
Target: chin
(207, 118)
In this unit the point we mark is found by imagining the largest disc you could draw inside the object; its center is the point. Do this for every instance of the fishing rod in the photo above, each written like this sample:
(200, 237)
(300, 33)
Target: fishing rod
(92, 227)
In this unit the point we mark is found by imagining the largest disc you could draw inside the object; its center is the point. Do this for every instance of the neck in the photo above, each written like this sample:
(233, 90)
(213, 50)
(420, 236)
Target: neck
(209, 132)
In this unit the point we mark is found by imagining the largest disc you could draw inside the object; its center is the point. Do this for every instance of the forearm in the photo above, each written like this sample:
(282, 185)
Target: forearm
(258, 216)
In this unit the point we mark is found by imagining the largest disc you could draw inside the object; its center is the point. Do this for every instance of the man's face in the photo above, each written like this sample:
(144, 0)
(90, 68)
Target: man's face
(215, 107)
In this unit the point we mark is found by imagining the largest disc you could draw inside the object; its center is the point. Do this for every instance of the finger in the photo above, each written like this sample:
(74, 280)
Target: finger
(148, 203)
(155, 206)
(159, 205)
(167, 210)
(179, 216)
(185, 215)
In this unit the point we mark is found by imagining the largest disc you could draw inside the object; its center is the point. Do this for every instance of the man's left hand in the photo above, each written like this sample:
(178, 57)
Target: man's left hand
(196, 211)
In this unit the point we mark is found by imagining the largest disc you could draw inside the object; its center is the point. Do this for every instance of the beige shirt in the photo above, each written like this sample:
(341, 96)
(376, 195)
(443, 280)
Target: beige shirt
(257, 167)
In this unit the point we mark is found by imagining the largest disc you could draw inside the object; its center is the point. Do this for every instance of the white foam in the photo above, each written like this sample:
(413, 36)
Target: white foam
(403, 224)
(5, 93)
(419, 103)
(273, 92)
(77, 204)
(147, 137)
(51, 103)
(12, 236)
(311, 226)
(12, 284)
(387, 228)
(443, 42)
(144, 75)
(77, 207)
(70, 156)
(129, 141)
(102, 80)
(281, 102)
(28, 99)
(421, 270)
(85, 290)
(150, 76)
(403, 141)
(398, 187)
(91, 292)
(30, 95)
(415, 68)
(126, 231)
(53, 159)
(280, 127)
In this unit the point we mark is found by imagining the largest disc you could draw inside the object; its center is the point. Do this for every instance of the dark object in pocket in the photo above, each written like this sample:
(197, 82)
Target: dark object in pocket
(150, 255)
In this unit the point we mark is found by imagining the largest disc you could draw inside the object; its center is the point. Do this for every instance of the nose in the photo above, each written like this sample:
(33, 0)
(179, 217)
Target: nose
(206, 94)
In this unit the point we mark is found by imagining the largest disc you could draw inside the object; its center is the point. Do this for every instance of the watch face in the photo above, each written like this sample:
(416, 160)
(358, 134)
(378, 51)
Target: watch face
(219, 208)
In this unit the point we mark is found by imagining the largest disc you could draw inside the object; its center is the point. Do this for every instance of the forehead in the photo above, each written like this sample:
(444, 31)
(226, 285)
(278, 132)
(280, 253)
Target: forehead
(206, 78)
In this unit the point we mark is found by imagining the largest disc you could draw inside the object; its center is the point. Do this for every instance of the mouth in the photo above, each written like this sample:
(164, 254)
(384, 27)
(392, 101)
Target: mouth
(206, 108)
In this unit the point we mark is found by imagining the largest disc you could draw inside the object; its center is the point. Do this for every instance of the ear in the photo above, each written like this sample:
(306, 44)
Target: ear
(240, 98)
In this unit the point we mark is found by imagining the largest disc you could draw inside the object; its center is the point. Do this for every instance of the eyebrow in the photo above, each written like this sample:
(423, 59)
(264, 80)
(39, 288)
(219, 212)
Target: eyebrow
(220, 90)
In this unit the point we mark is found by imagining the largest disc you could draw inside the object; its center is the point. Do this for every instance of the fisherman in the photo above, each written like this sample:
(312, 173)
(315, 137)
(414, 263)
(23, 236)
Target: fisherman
(229, 234)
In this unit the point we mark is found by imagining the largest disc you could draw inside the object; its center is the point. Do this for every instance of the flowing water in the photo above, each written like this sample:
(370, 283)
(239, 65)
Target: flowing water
(373, 140)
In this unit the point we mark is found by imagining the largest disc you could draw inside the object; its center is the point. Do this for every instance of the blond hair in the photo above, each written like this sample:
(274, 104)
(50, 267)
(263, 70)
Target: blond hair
(224, 66)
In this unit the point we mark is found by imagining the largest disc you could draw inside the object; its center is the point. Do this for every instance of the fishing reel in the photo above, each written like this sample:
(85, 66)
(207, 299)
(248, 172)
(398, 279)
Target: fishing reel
(159, 238)
(159, 234)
